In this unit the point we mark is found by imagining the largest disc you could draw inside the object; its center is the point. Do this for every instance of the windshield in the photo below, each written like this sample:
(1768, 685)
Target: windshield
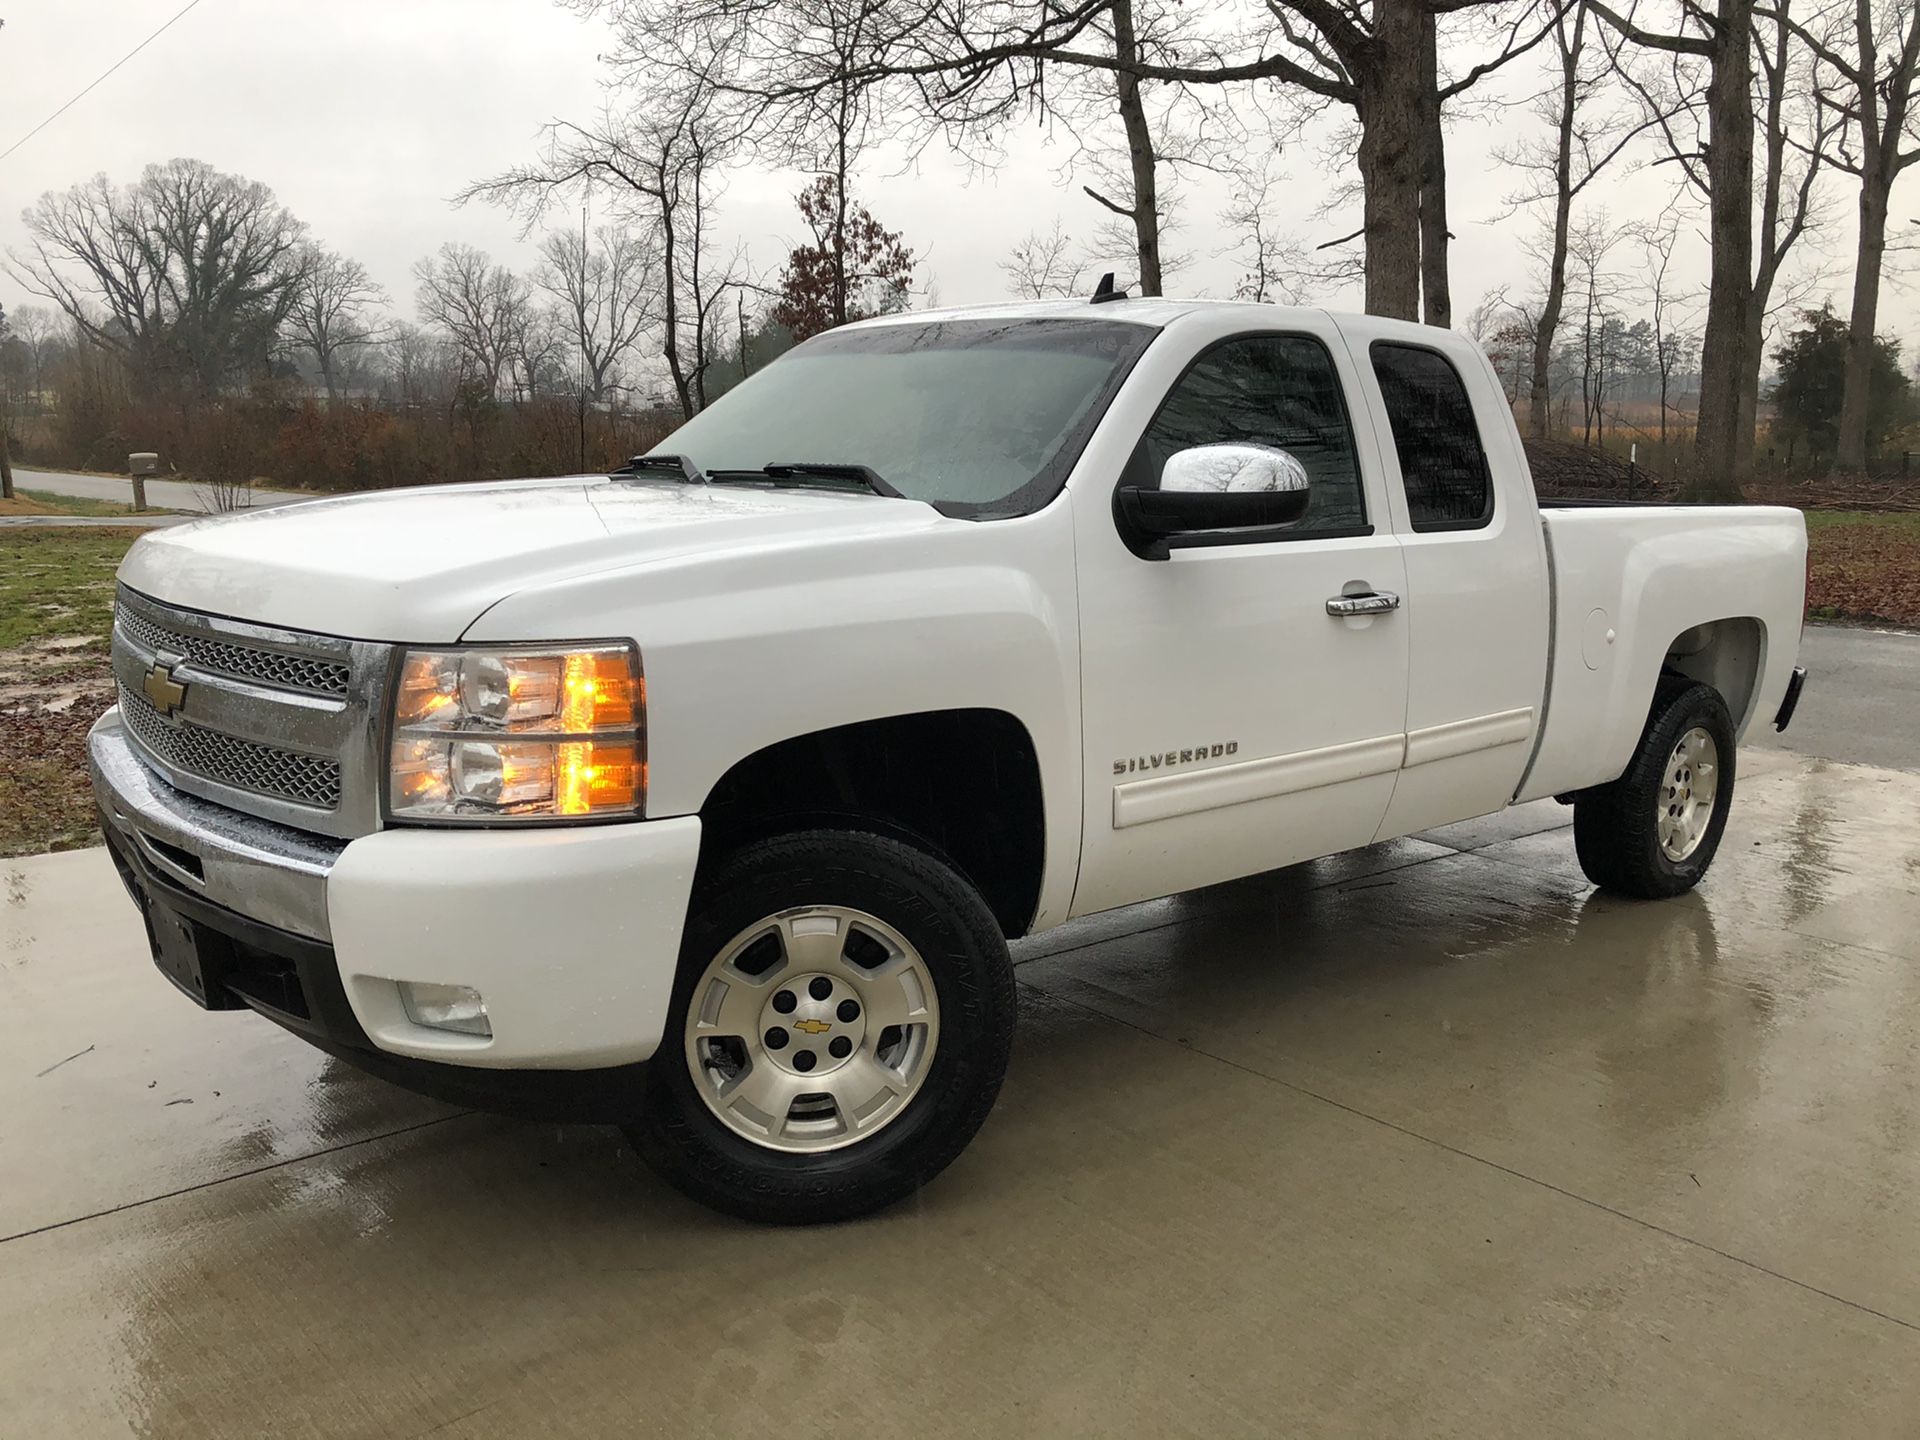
(974, 416)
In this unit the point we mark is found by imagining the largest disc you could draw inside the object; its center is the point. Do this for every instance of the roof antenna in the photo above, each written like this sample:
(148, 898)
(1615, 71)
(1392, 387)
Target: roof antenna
(1104, 291)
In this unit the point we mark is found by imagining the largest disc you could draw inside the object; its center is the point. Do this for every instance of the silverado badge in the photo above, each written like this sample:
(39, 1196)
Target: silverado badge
(166, 693)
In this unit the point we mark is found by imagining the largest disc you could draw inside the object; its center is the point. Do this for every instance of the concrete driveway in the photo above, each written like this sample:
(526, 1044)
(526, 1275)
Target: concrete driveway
(1426, 1140)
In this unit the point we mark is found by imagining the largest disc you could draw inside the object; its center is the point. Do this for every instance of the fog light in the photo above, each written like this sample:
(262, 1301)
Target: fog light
(446, 1007)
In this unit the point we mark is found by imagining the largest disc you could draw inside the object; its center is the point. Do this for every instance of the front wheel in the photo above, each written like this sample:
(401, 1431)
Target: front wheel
(1653, 832)
(841, 1023)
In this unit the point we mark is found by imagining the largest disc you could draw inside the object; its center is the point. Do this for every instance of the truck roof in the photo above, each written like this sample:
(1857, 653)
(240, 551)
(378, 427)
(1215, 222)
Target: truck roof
(1155, 311)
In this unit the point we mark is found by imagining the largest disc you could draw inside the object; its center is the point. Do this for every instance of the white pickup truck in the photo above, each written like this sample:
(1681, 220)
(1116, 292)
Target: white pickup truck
(704, 796)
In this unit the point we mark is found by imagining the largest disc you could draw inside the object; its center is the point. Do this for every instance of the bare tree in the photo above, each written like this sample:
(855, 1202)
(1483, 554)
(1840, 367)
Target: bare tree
(482, 306)
(37, 328)
(422, 368)
(1874, 50)
(1673, 343)
(664, 160)
(1587, 135)
(607, 285)
(1702, 97)
(1273, 268)
(329, 318)
(985, 58)
(187, 274)
(537, 351)
(1599, 286)
(821, 124)
(1044, 265)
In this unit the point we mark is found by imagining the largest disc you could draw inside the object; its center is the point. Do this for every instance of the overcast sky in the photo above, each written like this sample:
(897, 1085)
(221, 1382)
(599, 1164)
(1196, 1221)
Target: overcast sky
(366, 115)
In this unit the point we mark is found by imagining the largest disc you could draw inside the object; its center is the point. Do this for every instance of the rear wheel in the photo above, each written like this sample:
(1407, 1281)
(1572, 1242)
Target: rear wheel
(840, 1027)
(1654, 831)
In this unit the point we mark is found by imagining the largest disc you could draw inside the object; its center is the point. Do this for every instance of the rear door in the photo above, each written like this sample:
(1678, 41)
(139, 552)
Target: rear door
(1232, 724)
(1476, 605)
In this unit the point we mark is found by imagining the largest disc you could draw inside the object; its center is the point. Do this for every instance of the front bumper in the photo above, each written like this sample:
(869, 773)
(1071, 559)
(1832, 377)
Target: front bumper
(571, 934)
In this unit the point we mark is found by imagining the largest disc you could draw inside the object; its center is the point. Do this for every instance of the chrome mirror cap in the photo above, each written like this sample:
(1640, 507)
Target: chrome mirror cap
(1232, 469)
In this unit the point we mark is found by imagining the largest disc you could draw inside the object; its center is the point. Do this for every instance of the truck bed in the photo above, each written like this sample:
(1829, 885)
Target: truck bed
(1713, 591)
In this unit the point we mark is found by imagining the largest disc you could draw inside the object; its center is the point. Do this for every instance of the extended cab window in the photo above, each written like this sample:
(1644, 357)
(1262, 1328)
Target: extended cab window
(1442, 463)
(1278, 390)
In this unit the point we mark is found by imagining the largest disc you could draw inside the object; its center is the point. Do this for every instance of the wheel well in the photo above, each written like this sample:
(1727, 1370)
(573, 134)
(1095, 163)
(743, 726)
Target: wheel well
(963, 784)
(1724, 654)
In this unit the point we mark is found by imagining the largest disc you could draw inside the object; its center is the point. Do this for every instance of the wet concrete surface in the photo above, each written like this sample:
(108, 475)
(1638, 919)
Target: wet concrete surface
(1862, 700)
(1429, 1139)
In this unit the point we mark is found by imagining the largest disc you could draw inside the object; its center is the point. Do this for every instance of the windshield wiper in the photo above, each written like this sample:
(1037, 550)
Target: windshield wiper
(799, 472)
(677, 464)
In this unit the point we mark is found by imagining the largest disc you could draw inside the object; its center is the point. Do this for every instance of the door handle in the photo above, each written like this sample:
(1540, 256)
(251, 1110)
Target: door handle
(1372, 602)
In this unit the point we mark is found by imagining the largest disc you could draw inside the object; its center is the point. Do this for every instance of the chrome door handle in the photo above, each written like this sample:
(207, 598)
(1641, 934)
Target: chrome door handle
(1373, 602)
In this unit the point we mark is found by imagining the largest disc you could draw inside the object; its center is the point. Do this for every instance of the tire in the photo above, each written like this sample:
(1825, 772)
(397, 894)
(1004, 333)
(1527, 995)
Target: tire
(770, 904)
(1618, 827)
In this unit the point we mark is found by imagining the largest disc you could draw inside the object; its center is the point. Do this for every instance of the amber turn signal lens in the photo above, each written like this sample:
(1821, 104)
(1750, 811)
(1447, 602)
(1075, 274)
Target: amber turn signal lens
(597, 777)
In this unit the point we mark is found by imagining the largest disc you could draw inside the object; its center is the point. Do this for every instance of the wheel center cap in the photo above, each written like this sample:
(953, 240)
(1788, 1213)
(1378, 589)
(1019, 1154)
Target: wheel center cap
(812, 1024)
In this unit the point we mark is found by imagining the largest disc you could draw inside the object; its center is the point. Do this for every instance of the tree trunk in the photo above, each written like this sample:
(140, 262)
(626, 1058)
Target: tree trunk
(670, 312)
(1539, 419)
(1140, 156)
(1436, 294)
(1851, 453)
(1389, 108)
(1730, 348)
(6, 464)
(841, 162)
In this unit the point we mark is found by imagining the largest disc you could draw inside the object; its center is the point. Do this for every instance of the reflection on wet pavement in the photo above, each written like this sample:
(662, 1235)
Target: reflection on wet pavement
(1426, 1139)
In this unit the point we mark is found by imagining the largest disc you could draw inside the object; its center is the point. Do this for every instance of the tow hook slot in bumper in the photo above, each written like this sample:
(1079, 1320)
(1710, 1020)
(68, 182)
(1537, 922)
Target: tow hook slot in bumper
(1787, 705)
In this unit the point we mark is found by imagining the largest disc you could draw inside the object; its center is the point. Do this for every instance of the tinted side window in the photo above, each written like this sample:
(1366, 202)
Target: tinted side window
(1441, 461)
(1279, 390)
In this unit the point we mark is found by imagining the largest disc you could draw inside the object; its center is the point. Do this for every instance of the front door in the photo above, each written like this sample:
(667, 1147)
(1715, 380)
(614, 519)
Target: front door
(1232, 723)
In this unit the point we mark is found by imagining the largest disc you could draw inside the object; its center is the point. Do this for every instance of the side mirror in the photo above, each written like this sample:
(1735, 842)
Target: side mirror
(1212, 487)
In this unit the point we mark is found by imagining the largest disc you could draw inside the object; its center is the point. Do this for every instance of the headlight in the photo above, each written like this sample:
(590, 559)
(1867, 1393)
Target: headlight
(518, 733)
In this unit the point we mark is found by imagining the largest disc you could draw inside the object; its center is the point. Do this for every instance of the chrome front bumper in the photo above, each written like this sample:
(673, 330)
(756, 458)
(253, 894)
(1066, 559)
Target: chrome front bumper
(268, 872)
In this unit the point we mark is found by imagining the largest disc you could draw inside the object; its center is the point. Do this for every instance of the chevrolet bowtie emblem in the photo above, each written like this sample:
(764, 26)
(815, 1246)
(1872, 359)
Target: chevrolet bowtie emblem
(813, 1027)
(166, 693)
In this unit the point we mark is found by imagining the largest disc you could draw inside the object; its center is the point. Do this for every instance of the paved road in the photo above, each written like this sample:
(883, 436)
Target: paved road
(1429, 1139)
(81, 522)
(1862, 701)
(162, 494)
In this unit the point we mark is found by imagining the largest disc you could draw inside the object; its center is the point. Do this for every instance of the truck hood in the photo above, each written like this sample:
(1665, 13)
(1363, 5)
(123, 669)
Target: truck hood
(422, 564)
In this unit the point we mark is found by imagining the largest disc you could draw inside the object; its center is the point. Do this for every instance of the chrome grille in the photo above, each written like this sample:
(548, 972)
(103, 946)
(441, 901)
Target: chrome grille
(244, 662)
(229, 760)
(279, 724)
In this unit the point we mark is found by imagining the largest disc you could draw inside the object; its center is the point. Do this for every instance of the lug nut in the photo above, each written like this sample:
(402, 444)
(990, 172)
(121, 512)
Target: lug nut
(840, 1047)
(804, 1061)
(820, 987)
(785, 1001)
(849, 1011)
(776, 1039)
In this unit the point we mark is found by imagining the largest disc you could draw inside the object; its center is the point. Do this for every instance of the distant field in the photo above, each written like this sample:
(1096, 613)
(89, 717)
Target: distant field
(1863, 566)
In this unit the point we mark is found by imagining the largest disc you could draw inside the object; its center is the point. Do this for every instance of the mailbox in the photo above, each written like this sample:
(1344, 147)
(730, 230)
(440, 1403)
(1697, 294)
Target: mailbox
(141, 464)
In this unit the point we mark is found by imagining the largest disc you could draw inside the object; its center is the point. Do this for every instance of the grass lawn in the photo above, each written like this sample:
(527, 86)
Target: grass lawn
(1863, 566)
(56, 609)
(45, 502)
